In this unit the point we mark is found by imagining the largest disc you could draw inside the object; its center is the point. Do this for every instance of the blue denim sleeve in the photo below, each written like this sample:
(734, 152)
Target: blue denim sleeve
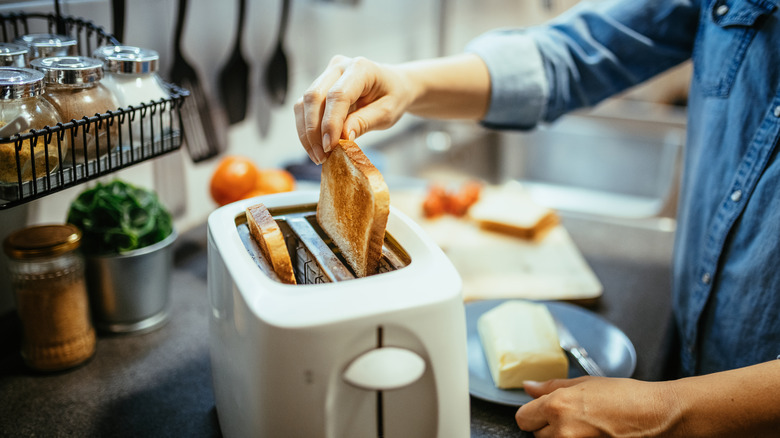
(593, 51)
(518, 86)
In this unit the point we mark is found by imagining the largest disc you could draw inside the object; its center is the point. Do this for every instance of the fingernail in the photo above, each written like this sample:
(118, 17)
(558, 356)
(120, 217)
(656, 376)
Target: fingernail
(352, 135)
(326, 142)
(531, 383)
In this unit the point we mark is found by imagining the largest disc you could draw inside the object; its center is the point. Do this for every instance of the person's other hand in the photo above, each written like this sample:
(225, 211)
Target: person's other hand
(351, 97)
(595, 406)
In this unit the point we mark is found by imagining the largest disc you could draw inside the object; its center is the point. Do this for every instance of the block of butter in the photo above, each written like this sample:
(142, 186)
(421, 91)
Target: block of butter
(520, 343)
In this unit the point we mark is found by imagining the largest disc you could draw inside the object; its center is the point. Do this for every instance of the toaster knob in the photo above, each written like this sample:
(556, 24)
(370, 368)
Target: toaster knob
(385, 368)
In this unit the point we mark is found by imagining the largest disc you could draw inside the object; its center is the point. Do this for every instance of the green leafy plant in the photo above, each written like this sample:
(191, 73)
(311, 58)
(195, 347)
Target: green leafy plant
(118, 217)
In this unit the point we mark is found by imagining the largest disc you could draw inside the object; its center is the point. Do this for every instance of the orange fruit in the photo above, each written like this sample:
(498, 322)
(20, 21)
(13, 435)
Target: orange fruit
(275, 181)
(272, 181)
(234, 177)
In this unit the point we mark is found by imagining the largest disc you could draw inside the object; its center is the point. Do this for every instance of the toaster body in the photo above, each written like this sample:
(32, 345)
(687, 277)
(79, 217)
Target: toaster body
(383, 355)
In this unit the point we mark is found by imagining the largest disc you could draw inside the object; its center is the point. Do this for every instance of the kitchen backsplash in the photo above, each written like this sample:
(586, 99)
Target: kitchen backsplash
(318, 29)
(386, 31)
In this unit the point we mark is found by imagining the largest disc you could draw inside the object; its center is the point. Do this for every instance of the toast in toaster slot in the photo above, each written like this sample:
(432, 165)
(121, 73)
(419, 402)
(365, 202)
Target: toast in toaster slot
(353, 207)
(266, 232)
(314, 257)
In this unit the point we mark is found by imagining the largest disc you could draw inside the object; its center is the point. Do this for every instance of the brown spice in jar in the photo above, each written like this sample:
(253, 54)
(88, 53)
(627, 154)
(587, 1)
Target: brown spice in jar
(73, 87)
(8, 167)
(47, 274)
(54, 310)
(75, 102)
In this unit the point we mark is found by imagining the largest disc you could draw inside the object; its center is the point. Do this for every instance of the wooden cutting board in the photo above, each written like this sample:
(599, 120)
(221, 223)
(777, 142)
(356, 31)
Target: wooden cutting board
(494, 265)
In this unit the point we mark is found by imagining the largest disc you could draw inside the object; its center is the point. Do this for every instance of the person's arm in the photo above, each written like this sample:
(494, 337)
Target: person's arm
(355, 95)
(741, 402)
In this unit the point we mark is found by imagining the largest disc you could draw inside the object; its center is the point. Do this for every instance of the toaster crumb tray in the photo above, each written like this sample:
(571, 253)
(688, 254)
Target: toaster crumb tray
(314, 256)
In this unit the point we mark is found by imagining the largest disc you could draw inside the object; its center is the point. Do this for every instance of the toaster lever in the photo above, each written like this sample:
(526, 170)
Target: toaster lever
(384, 369)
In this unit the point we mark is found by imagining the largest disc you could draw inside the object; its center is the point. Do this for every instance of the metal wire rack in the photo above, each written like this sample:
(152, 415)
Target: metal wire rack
(122, 146)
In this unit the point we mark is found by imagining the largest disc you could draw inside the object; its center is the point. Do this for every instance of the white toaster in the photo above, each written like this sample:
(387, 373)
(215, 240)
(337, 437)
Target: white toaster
(383, 355)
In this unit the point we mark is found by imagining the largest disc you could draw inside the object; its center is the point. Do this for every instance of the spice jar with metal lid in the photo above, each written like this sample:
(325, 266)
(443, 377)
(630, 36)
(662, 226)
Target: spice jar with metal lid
(13, 55)
(43, 45)
(47, 273)
(73, 86)
(131, 74)
(22, 108)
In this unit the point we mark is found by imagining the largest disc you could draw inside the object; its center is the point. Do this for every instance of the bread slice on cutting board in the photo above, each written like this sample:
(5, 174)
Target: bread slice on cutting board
(353, 207)
(511, 211)
(268, 236)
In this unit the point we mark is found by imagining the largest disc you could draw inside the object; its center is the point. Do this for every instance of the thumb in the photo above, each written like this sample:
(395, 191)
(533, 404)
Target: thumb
(371, 117)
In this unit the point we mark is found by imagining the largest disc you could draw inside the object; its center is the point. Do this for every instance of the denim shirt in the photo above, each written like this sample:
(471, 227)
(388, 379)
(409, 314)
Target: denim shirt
(726, 273)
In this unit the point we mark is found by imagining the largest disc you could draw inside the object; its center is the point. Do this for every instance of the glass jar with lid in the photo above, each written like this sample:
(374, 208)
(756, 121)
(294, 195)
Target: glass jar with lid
(73, 86)
(13, 55)
(131, 74)
(43, 45)
(23, 107)
(47, 273)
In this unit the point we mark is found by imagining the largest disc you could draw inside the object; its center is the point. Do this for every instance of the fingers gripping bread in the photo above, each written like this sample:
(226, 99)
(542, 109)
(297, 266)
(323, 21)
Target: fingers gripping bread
(353, 207)
(268, 236)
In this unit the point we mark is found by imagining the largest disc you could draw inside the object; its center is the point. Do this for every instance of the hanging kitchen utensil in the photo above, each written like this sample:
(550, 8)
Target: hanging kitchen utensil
(276, 74)
(61, 30)
(118, 25)
(234, 77)
(202, 133)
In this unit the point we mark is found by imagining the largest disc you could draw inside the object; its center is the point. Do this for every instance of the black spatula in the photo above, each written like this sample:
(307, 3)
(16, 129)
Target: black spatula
(276, 73)
(202, 134)
(234, 77)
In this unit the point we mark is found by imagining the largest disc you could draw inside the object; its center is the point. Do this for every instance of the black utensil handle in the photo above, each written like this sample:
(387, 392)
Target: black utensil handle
(241, 13)
(181, 14)
(285, 16)
(60, 21)
(118, 11)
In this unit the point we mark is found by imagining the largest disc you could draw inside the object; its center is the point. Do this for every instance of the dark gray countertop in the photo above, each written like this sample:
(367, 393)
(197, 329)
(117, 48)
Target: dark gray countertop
(158, 384)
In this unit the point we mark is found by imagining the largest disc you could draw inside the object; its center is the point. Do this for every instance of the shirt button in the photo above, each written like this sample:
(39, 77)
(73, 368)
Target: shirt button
(706, 278)
(722, 10)
(736, 195)
(777, 111)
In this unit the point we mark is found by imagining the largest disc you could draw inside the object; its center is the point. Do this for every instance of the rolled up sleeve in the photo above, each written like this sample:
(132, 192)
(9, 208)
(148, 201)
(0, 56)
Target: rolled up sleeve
(519, 89)
(593, 51)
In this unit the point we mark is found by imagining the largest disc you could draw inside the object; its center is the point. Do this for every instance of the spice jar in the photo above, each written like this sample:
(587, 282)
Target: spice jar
(73, 86)
(43, 45)
(13, 55)
(47, 273)
(131, 74)
(23, 107)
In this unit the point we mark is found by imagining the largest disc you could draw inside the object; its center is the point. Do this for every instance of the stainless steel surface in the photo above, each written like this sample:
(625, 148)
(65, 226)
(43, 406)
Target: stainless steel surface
(620, 160)
(131, 292)
(306, 243)
(570, 345)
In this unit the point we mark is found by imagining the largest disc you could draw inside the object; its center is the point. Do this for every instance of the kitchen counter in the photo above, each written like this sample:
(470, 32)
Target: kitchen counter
(159, 383)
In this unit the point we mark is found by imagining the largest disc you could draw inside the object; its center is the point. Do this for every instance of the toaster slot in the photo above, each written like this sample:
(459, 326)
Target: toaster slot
(314, 256)
(302, 243)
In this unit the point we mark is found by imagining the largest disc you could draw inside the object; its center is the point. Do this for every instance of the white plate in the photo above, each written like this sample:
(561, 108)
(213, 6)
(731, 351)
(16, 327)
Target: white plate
(605, 343)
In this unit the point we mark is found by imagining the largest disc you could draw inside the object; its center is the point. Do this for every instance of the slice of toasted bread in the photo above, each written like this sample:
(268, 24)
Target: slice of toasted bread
(511, 211)
(353, 207)
(268, 236)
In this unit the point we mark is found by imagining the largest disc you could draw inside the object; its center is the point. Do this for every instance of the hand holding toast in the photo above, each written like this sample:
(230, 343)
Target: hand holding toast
(351, 97)
(355, 95)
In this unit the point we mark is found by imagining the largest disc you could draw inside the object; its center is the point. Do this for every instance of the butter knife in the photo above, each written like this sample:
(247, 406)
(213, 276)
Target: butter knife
(570, 345)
